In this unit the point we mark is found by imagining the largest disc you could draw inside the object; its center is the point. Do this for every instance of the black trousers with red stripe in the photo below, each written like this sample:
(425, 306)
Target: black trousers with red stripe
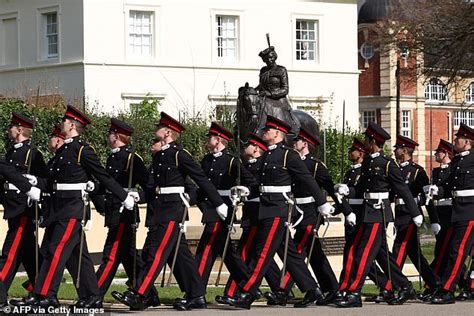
(119, 249)
(268, 241)
(19, 247)
(159, 249)
(61, 249)
(443, 239)
(406, 244)
(319, 262)
(366, 247)
(459, 248)
(211, 245)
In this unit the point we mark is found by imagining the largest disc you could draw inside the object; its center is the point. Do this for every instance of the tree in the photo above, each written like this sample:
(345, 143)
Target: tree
(441, 32)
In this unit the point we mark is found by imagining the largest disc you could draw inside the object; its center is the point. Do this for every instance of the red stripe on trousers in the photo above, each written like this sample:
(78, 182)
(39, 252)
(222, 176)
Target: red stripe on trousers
(156, 260)
(403, 245)
(350, 258)
(299, 249)
(202, 264)
(14, 247)
(263, 255)
(243, 255)
(457, 264)
(112, 255)
(365, 254)
(444, 247)
(57, 256)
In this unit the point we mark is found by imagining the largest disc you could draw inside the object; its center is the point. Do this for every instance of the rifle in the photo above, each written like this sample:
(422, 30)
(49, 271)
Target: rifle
(134, 225)
(287, 241)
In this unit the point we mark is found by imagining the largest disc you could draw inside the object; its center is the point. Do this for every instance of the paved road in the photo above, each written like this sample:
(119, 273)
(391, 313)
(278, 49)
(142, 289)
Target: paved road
(369, 309)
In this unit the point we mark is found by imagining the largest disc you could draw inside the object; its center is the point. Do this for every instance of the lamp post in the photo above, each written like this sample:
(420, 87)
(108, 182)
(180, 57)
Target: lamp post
(404, 52)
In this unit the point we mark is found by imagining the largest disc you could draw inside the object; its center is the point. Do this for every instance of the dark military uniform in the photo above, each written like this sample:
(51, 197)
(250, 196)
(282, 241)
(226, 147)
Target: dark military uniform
(459, 187)
(20, 242)
(406, 240)
(11, 175)
(120, 245)
(222, 170)
(72, 166)
(306, 227)
(171, 166)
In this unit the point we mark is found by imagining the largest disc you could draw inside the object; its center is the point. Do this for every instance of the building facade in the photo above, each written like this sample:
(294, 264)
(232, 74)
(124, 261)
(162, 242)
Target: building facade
(191, 55)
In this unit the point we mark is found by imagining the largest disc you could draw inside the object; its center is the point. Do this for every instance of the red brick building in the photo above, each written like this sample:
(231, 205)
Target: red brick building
(418, 96)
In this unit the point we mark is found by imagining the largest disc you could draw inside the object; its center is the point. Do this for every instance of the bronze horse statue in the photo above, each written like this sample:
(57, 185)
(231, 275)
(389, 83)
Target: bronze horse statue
(252, 114)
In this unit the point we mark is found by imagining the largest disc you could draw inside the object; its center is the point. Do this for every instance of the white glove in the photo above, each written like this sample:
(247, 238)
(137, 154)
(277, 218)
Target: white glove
(418, 220)
(90, 186)
(222, 211)
(431, 189)
(326, 209)
(341, 189)
(426, 188)
(31, 179)
(435, 228)
(34, 194)
(129, 202)
(240, 190)
(351, 219)
(135, 195)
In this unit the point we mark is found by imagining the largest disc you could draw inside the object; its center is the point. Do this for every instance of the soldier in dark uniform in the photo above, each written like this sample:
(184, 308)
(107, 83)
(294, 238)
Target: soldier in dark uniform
(222, 169)
(9, 174)
(166, 191)
(20, 242)
(120, 247)
(280, 166)
(254, 148)
(406, 241)
(305, 220)
(379, 175)
(72, 166)
(460, 187)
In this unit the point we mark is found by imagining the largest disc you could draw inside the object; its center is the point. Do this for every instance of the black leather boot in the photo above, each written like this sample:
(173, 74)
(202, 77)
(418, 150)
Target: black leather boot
(311, 297)
(383, 296)
(191, 303)
(131, 299)
(443, 297)
(406, 293)
(328, 299)
(465, 295)
(276, 298)
(352, 299)
(25, 301)
(242, 300)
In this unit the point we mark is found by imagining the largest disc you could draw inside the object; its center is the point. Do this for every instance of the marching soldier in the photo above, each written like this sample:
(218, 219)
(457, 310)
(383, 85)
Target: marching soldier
(222, 169)
(306, 219)
(72, 166)
(407, 241)
(460, 187)
(20, 241)
(280, 165)
(12, 176)
(379, 175)
(120, 245)
(171, 165)
(254, 148)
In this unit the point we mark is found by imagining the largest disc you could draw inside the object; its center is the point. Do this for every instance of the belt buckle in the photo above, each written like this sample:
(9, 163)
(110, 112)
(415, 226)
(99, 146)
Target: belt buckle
(158, 190)
(5, 186)
(261, 188)
(55, 186)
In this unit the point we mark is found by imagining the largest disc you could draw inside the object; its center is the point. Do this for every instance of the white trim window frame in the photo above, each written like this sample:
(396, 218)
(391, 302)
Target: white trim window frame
(368, 116)
(466, 117)
(306, 40)
(436, 91)
(470, 93)
(140, 33)
(406, 127)
(49, 33)
(225, 39)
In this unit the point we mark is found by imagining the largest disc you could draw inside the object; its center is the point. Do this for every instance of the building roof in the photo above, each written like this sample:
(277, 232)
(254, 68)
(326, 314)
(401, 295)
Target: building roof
(376, 10)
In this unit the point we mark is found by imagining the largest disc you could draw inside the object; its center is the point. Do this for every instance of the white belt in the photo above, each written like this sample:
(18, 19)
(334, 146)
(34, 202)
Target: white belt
(376, 195)
(355, 201)
(463, 193)
(257, 199)
(174, 190)
(305, 200)
(275, 188)
(224, 192)
(401, 202)
(11, 187)
(443, 202)
(69, 186)
(169, 190)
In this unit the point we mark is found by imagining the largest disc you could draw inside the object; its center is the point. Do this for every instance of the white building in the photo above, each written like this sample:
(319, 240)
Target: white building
(191, 54)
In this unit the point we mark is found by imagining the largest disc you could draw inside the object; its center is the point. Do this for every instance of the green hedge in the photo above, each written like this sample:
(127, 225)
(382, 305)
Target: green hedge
(143, 118)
